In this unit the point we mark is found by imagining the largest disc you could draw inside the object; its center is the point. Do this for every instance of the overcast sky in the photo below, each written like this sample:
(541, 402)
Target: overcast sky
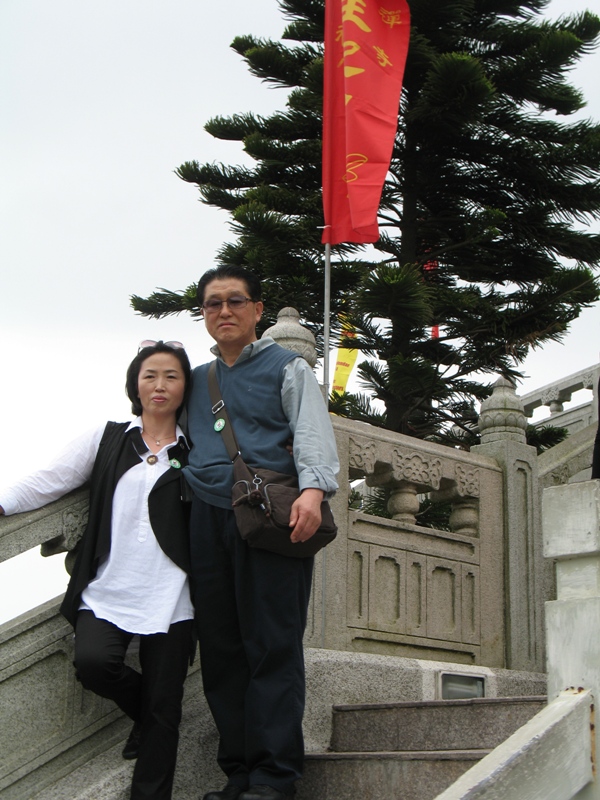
(101, 100)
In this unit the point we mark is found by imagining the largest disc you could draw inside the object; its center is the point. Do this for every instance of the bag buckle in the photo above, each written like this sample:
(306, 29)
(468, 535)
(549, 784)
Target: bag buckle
(218, 406)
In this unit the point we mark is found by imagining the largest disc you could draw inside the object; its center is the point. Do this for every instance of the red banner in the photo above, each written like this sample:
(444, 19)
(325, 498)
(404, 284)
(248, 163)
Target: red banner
(365, 52)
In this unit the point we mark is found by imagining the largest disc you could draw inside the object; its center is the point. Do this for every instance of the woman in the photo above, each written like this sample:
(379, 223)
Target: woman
(131, 571)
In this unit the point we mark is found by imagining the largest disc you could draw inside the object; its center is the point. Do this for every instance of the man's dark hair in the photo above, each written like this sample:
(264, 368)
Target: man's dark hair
(251, 280)
(134, 369)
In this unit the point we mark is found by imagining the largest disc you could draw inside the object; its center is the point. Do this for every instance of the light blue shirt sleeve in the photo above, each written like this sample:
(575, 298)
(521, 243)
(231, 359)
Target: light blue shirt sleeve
(315, 452)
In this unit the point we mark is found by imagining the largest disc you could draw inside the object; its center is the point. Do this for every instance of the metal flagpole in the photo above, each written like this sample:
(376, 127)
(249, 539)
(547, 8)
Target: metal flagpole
(326, 312)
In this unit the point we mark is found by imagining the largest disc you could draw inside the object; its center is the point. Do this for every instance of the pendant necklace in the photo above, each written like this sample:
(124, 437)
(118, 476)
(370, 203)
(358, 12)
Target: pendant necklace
(154, 439)
(153, 459)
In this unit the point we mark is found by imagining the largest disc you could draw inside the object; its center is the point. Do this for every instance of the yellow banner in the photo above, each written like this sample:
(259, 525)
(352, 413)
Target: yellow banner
(346, 359)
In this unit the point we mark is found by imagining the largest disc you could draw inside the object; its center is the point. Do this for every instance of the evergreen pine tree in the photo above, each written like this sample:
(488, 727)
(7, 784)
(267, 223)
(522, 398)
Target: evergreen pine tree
(484, 216)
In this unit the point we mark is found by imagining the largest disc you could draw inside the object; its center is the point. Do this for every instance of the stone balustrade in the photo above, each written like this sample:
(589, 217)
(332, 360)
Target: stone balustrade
(391, 586)
(555, 395)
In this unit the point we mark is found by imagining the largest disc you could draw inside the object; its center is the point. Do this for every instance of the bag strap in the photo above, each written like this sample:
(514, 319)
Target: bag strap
(218, 407)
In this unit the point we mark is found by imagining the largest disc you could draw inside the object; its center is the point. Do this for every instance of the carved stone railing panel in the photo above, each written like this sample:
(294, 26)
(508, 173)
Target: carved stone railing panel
(408, 589)
(408, 473)
(411, 594)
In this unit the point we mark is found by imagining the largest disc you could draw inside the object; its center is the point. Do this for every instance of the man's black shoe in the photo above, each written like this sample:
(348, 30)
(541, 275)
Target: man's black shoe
(132, 745)
(228, 793)
(261, 792)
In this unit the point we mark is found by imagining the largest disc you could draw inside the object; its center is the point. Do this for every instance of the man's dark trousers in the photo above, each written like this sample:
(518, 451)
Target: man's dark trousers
(251, 608)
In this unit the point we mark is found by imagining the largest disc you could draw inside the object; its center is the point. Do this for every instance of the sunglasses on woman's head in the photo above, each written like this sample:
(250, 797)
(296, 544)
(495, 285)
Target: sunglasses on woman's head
(152, 343)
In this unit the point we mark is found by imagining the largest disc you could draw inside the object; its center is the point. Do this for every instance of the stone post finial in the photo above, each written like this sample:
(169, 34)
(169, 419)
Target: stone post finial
(289, 333)
(502, 415)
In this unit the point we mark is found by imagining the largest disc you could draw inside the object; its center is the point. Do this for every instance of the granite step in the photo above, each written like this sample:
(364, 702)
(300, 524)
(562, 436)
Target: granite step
(383, 775)
(464, 725)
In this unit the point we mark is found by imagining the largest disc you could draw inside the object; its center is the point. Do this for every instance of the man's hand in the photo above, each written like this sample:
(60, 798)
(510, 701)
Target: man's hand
(305, 517)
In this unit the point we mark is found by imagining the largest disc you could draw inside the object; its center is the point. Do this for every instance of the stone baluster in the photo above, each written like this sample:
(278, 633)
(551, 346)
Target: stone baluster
(463, 495)
(403, 504)
(464, 517)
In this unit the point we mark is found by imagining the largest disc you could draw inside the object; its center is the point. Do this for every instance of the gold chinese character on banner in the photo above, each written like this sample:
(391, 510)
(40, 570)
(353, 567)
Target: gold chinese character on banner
(351, 9)
(382, 57)
(350, 49)
(391, 18)
(353, 162)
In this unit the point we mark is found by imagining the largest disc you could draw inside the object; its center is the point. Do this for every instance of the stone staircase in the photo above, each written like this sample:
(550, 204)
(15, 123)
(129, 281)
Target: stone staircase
(409, 751)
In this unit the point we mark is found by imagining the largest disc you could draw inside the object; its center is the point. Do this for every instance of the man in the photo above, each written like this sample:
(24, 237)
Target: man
(252, 604)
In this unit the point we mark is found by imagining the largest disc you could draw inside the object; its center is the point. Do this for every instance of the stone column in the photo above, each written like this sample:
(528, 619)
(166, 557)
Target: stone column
(290, 334)
(502, 425)
(571, 518)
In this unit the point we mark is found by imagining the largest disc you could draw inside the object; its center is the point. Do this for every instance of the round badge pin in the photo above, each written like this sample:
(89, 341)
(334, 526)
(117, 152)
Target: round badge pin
(219, 425)
(175, 464)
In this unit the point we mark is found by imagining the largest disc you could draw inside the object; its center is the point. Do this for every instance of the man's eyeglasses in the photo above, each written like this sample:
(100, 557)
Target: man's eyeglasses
(235, 303)
(153, 343)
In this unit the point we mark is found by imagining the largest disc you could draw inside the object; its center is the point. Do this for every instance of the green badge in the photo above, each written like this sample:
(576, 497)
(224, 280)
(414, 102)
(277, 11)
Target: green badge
(174, 463)
(219, 424)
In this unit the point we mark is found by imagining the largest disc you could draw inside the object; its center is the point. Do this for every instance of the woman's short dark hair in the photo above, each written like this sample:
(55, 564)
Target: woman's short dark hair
(133, 373)
(251, 280)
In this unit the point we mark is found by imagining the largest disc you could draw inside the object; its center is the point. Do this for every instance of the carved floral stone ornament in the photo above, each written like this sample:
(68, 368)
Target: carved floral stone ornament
(361, 455)
(467, 481)
(589, 380)
(73, 523)
(416, 469)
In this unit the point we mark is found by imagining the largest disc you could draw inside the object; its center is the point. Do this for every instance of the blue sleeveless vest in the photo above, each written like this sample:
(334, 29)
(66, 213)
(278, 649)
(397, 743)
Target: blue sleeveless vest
(251, 390)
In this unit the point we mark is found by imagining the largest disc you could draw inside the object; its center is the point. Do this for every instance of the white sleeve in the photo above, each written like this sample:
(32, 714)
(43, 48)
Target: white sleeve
(71, 469)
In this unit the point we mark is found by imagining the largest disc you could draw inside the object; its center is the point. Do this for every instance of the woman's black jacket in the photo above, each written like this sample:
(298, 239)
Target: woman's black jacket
(120, 450)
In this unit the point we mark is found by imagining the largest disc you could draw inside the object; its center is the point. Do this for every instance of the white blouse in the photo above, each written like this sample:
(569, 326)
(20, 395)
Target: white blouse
(137, 587)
